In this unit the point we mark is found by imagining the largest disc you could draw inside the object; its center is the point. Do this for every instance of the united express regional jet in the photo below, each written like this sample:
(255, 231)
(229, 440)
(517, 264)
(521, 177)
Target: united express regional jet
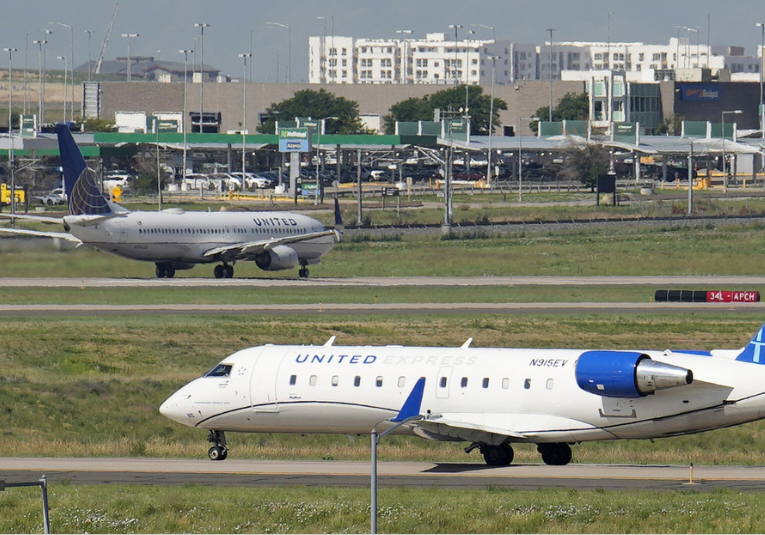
(174, 239)
(489, 398)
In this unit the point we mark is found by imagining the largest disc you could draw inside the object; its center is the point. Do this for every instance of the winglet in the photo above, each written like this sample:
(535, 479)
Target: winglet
(411, 407)
(339, 226)
(753, 352)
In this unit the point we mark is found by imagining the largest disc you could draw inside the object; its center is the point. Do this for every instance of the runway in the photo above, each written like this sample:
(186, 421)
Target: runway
(247, 473)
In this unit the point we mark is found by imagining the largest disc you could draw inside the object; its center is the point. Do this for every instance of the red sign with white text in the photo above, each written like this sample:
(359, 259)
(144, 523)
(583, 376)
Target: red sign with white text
(720, 296)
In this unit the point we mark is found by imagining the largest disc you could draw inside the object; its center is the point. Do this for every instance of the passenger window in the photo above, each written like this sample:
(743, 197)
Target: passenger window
(401, 382)
(527, 384)
(293, 380)
(463, 383)
(357, 381)
(443, 382)
(486, 382)
(549, 384)
(313, 380)
(505, 383)
(378, 382)
(335, 380)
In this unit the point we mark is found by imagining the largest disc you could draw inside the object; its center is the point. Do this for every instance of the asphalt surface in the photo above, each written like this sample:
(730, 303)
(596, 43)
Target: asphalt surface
(249, 473)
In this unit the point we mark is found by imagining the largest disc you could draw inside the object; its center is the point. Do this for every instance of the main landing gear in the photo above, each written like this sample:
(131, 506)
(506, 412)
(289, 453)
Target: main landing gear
(165, 269)
(219, 451)
(223, 271)
(557, 454)
(303, 272)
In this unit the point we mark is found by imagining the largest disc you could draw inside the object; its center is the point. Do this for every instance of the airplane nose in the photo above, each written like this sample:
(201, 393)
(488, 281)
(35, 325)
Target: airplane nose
(177, 407)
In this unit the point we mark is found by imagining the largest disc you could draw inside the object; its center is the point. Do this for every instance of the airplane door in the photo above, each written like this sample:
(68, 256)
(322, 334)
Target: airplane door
(263, 394)
(443, 383)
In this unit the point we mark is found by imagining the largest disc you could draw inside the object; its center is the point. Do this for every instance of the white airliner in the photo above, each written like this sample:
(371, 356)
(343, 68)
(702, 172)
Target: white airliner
(174, 239)
(489, 398)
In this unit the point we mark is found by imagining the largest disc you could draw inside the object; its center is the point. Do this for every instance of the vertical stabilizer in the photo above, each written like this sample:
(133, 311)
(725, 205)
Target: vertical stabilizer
(754, 352)
(82, 191)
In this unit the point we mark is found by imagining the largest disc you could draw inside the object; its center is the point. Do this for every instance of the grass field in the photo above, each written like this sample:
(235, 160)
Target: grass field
(196, 509)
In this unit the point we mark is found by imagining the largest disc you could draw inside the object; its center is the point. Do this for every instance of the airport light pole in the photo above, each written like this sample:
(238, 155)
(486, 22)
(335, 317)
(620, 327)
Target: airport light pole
(66, 63)
(201, 26)
(129, 37)
(71, 66)
(41, 100)
(489, 174)
(405, 62)
(454, 67)
(244, 114)
(520, 153)
(761, 25)
(550, 109)
(322, 56)
(321, 124)
(724, 159)
(90, 69)
(11, 162)
(185, 53)
(289, 48)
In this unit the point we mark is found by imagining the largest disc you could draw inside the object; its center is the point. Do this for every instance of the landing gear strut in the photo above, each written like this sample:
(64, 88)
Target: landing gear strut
(303, 272)
(219, 451)
(165, 269)
(223, 271)
(501, 455)
(557, 454)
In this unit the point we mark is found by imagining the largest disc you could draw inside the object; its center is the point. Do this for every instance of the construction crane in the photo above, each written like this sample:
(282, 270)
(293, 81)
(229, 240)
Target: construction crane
(100, 59)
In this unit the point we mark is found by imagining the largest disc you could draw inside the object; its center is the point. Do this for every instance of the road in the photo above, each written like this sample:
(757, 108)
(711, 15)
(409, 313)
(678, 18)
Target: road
(235, 472)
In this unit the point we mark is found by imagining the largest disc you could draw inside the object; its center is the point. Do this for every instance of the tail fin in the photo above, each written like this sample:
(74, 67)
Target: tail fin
(339, 226)
(754, 352)
(80, 183)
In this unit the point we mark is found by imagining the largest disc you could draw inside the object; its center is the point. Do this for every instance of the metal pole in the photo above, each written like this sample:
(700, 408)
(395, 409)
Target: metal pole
(185, 53)
(244, 115)
(11, 161)
(724, 162)
(373, 508)
(761, 25)
(690, 181)
(489, 174)
(202, 26)
(550, 109)
(358, 183)
(65, 69)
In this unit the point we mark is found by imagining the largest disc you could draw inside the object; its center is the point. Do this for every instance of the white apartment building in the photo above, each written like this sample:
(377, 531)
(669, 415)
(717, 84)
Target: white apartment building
(439, 60)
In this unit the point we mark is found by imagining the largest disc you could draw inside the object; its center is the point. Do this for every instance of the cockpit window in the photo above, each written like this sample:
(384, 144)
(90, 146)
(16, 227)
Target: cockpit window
(221, 370)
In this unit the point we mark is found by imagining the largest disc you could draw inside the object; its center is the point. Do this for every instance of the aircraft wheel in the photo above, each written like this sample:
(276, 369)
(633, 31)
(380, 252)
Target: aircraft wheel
(228, 272)
(170, 272)
(160, 271)
(501, 455)
(555, 454)
(303, 273)
(218, 272)
(217, 453)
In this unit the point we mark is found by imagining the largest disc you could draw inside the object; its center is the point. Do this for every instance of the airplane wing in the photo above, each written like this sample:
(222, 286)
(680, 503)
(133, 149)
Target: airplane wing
(238, 251)
(494, 428)
(39, 218)
(43, 234)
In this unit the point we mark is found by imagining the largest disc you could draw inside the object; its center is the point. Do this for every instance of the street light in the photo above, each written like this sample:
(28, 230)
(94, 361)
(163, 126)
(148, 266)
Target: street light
(289, 48)
(201, 26)
(761, 25)
(71, 66)
(185, 53)
(454, 67)
(244, 114)
(41, 100)
(321, 124)
(520, 153)
(724, 161)
(405, 61)
(10, 128)
(491, 118)
(90, 70)
(550, 109)
(129, 37)
(322, 53)
(66, 63)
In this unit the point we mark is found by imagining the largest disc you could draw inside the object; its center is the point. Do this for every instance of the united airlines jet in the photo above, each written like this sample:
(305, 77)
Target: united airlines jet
(489, 398)
(174, 239)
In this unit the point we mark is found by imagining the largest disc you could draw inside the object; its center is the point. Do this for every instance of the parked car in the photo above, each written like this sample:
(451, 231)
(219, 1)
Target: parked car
(56, 196)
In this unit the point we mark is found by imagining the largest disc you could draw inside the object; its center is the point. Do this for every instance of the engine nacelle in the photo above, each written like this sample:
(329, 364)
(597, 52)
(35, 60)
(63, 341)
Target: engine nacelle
(280, 257)
(624, 374)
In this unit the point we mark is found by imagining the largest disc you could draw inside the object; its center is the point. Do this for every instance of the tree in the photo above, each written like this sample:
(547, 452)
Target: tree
(422, 109)
(571, 107)
(317, 105)
(584, 162)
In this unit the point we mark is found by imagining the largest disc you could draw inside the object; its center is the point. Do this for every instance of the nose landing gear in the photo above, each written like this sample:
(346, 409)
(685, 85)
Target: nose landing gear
(219, 451)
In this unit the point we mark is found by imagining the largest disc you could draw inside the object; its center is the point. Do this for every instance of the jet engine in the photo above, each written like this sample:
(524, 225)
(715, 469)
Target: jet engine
(280, 257)
(622, 374)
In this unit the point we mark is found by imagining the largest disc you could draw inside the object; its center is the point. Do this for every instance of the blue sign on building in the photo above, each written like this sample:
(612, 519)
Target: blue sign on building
(709, 93)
